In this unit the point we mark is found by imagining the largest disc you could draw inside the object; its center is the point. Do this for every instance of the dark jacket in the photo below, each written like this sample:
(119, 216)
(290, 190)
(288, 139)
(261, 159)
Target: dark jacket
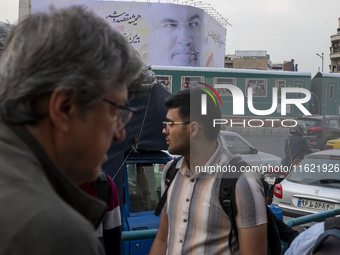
(298, 147)
(41, 211)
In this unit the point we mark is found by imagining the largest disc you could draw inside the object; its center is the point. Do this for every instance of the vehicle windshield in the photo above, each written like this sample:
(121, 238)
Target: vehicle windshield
(235, 145)
(144, 181)
(310, 122)
(316, 171)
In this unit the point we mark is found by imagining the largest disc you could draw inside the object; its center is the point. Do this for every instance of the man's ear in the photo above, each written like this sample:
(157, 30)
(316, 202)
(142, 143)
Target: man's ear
(194, 129)
(61, 108)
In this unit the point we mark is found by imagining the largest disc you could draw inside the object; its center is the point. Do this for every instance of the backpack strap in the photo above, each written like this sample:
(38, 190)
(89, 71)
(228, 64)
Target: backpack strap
(103, 187)
(227, 197)
(170, 176)
(228, 203)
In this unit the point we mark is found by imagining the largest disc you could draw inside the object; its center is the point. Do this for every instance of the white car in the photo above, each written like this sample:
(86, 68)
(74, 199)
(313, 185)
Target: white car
(236, 144)
(313, 186)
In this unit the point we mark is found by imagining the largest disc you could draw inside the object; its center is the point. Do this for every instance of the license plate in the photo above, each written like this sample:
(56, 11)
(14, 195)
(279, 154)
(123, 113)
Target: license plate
(270, 180)
(308, 203)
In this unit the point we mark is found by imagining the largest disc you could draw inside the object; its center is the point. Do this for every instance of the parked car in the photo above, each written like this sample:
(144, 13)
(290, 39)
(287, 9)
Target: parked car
(142, 185)
(333, 144)
(313, 186)
(236, 144)
(320, 129)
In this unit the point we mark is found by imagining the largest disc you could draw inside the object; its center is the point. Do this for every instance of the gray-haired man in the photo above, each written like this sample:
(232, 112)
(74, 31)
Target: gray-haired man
(63, 93)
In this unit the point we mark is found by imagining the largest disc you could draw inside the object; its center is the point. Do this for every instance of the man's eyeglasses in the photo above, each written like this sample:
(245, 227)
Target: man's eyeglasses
(124, 115)
(171, 123)
(169, 27)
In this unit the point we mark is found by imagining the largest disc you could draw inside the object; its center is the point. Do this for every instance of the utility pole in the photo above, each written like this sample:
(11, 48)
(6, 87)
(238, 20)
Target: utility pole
(321, 56)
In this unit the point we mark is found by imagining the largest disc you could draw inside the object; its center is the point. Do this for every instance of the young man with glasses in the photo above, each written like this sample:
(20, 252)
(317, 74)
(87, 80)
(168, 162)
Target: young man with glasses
(193, 220)
(63, 95)
(175, 35)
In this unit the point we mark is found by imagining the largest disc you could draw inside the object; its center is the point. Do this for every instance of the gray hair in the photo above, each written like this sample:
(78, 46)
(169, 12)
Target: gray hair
(69, 49)
(4, 29)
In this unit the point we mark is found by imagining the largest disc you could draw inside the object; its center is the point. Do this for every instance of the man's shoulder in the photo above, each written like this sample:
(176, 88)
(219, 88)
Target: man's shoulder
(73, 235)
(249, 183)
(44, 217)
(65, 222)
(178, 161)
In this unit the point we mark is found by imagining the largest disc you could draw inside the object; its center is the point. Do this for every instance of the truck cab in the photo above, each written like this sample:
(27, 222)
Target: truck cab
(142, 191)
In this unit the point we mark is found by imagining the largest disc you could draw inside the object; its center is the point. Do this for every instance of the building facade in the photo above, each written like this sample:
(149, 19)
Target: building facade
(335, 51)
(256, 59)
(249, 59)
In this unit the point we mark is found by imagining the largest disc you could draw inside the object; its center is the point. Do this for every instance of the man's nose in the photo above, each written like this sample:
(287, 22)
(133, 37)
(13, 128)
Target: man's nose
(184, 36)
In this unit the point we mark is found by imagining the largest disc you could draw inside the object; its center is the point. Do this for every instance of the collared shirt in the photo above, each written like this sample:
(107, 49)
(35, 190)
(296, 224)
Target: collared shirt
(197, 222)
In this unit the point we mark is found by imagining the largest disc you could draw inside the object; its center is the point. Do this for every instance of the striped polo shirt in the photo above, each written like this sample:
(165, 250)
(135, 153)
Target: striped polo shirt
(197, 222)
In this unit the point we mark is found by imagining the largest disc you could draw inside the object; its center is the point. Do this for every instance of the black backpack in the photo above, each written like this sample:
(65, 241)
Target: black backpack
(329, 241)
(103, 187)
(228, 203)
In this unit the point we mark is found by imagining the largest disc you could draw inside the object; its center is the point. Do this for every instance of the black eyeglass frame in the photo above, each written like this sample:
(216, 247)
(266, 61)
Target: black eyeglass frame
(121, 107)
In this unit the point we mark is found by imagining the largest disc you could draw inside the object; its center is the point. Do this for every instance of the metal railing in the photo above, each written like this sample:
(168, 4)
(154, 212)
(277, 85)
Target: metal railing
(312, 217)
(139, 234)
(151, 233)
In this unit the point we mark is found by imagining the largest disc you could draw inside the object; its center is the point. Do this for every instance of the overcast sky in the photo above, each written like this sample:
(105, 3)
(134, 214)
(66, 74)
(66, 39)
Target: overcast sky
(286, 29)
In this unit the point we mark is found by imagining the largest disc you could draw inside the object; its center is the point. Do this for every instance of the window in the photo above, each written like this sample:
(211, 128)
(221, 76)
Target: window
(144, 185)
(192, 81)
(223, 91)
(235, 145)
(308, 173)
(165, 81)
(258, 86)
(299, 86)
(331, 91)
(279, 84)
(334, 123)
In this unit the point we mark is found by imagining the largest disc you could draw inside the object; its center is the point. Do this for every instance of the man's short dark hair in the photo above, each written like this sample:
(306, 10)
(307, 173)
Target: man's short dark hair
(188, 102)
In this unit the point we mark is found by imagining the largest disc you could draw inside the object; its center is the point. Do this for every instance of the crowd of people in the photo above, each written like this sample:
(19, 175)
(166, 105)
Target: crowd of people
(64, 81)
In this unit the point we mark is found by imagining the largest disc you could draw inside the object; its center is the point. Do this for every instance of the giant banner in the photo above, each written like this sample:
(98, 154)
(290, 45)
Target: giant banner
(163, 34)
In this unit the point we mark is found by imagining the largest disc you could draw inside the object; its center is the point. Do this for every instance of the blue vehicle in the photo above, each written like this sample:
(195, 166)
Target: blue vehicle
(142, 191)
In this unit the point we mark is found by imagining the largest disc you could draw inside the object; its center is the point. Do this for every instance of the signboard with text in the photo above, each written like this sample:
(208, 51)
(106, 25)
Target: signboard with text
(163, 34)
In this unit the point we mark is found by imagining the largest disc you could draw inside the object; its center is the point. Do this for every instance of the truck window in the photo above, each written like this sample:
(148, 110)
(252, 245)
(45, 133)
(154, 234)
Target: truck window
(144, 185)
